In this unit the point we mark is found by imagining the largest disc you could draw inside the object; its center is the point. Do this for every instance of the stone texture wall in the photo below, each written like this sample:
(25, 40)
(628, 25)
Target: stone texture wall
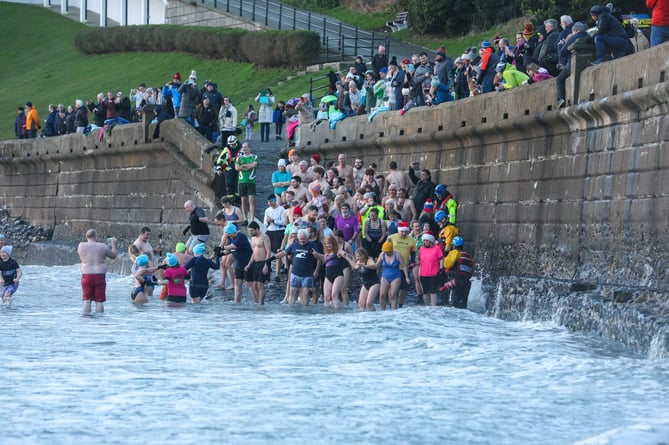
(179, 12)
(118, 184)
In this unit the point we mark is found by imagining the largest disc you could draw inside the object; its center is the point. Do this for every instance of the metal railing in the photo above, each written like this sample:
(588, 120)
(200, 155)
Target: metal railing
(277, 15)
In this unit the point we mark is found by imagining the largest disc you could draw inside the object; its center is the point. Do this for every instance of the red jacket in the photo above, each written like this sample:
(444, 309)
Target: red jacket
(660, 11)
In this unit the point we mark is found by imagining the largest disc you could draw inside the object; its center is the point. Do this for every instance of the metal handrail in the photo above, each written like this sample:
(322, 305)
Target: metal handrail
(290, 17)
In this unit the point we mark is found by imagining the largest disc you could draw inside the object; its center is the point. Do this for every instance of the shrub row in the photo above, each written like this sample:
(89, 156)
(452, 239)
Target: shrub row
(262, 48)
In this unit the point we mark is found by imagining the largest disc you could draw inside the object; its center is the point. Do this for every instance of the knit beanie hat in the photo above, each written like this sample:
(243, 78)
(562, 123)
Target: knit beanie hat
(428, 206)
(387, 247)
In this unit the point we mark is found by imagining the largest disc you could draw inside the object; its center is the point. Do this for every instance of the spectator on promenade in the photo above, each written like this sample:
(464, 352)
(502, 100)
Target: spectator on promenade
(211, 92)
(248, 121)
(522, 52)
(207, 118)
(536, 73)
(190, 98)
(487, 65)
(69, 120)
(80, 116)
(461, 89)
(443, 67)
(305, 113)
(566, 23)
(546, 53)
(123, 107)
(20, 124)
(639, 40)
(227, 119)
(506, 53)
(265, 113)
(109, 104)
(32, 120)
(439, 92)
(279, 118)
(659, 31)
(61, 124)
(171, 89)
(139, 98)
(380, 60)
(610, 36)
(421, 80)
(50, 122)
(577, 32)
(99, 110)
(360, 65)
(511, 77)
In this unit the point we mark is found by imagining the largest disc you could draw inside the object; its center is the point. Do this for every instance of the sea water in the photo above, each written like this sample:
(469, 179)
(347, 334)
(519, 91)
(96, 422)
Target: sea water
(230, 373)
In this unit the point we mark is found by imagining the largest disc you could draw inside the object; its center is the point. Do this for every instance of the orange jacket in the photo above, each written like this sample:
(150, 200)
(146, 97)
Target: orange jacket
(32, 119)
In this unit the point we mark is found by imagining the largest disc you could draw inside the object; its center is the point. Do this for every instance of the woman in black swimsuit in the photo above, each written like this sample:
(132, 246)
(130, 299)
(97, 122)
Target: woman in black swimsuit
(366, 267)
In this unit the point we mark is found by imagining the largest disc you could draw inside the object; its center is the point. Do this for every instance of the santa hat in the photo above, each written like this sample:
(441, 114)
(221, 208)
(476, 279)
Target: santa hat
(428, 206)
(403, 225)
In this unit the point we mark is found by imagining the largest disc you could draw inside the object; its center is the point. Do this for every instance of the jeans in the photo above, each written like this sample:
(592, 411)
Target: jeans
(614, 44)
(659, 34)
(560, 80)
(264, 131)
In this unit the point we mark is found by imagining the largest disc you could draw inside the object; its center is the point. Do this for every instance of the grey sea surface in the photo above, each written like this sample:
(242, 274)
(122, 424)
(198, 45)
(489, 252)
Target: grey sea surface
(276, 374)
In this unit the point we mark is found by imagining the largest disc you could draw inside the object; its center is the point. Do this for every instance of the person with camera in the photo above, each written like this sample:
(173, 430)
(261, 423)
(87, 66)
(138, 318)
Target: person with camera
(190, 98)
(227, 119)
(265, 113)
(171, 89)
(99, 110)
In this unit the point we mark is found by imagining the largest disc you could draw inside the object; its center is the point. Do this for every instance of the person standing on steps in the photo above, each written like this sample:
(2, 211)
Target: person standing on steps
(246, 166)
(198, 225)
(93, 270)
(279, 118)
(265, 113)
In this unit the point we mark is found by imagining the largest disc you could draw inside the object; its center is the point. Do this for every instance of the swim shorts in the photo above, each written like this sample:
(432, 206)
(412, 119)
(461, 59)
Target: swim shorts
(94, 287)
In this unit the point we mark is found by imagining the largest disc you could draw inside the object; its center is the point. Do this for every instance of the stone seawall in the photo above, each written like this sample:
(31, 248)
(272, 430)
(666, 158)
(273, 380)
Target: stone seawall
(117, 184)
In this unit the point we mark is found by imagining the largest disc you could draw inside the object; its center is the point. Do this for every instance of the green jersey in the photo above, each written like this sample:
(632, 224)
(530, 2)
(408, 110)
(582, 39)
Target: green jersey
(246, 176)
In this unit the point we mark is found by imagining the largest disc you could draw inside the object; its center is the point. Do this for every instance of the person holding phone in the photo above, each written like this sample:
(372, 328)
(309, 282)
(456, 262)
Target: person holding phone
(265, 113)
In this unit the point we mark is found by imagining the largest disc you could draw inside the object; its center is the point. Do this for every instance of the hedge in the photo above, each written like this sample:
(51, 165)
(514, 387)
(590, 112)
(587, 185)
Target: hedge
(272, 49)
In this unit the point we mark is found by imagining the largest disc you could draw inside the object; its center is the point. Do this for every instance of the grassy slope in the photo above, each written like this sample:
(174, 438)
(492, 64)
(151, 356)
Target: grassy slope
(41, 64)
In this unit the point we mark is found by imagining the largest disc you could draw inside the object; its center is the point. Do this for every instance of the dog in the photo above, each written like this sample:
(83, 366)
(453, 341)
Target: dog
(474, 88)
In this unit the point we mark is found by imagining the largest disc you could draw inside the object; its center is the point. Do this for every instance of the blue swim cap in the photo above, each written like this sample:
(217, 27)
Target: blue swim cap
(172, 260)
(142, 260)
(230, 229)
(199, 249)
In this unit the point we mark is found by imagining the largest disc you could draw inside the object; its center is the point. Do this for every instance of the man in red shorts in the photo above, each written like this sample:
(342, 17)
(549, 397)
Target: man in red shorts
(93, 269)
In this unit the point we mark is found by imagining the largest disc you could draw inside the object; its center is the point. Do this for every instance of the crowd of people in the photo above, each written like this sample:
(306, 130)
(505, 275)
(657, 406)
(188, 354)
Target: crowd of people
(322, 225)
(500, 64)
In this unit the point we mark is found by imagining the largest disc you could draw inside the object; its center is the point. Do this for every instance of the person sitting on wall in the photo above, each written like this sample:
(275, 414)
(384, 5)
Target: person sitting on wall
(577, 32)
(610, 36)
